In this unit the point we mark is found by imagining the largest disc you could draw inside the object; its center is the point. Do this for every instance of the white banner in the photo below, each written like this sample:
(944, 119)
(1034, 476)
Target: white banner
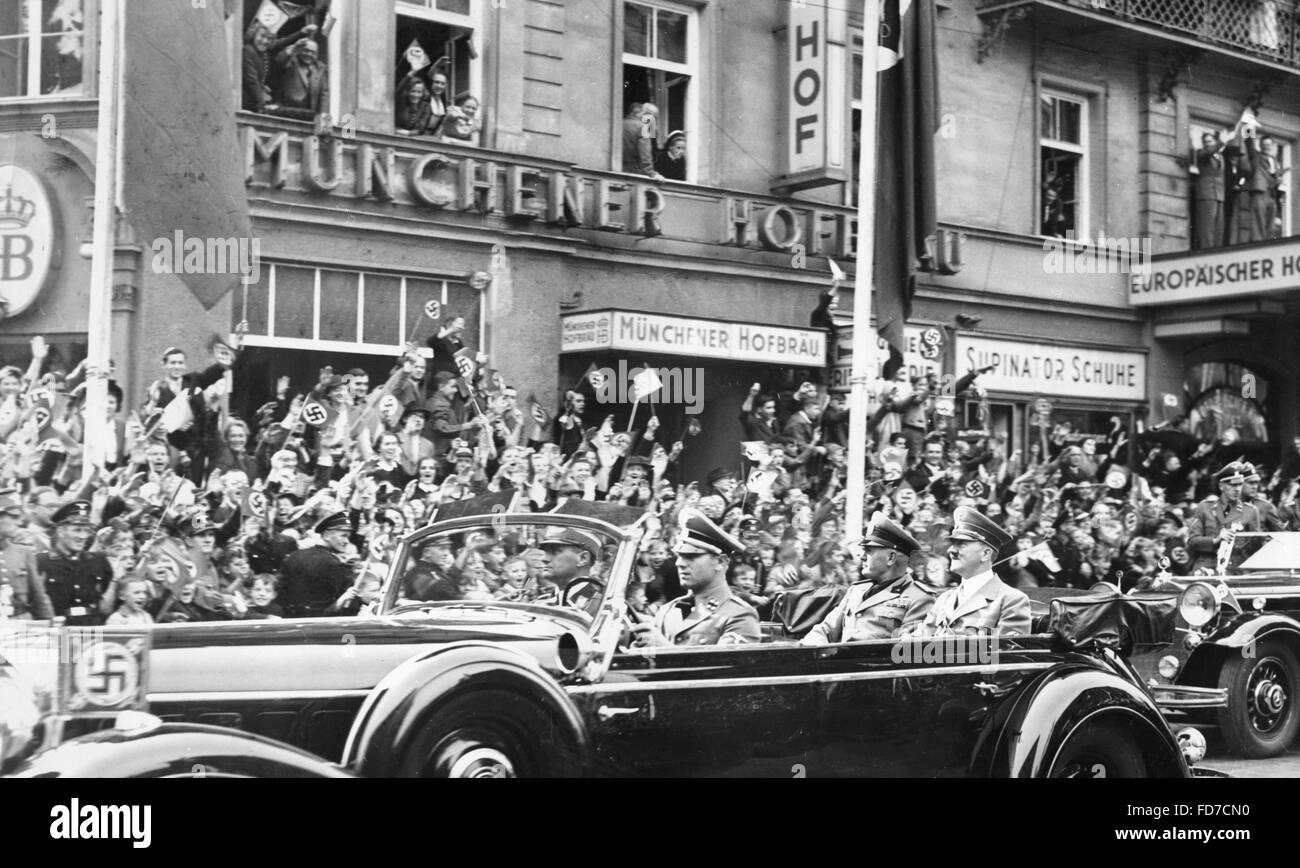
(1042, 369)
(680, 336)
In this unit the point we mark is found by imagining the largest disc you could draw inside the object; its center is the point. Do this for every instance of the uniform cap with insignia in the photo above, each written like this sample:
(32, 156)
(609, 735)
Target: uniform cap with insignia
(699, 535)
(1250, 472)
(1231, 474)
(77, 512)
(11, 503)
(883, 533)
(195, 525)
(463, 452)
(570, 537)
(337, 521)
(974, 526)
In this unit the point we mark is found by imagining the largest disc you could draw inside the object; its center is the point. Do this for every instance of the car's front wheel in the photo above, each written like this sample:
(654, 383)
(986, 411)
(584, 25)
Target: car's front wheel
(481, 734)
(1261, 718)
(1099, 750)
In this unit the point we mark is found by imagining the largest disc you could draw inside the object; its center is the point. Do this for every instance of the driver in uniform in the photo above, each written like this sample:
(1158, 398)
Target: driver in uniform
(568, 555)
(888, 598)
(710, 614)
(1215, 519)
(79, 583)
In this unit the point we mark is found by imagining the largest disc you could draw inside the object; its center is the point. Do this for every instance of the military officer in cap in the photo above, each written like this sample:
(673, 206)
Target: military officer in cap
(1215, 518)
(315, 577)
(79, 583)
(887, 600)
(22, 592)
(710, 614)
(568, 557)
(981, 604)
(1269, 517)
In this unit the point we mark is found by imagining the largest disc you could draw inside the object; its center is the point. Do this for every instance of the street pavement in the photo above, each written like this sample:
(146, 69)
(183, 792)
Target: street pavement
(1285, 766)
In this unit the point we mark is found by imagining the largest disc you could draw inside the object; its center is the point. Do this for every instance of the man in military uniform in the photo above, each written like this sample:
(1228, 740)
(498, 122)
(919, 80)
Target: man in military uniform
(710, 614)
(22, 592)
(314, 577)
(568, 557)
(887, 600)
(1216, 518)
(1269, 517)
(79, 583)
(981, 604)
(750, 533)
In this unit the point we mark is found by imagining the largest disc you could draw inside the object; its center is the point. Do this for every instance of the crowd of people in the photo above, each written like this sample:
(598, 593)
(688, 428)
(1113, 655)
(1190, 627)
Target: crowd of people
(297, 508)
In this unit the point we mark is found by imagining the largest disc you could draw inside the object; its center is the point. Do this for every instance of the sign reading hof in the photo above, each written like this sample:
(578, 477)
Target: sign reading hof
(682, 336)
(27, 248)
(816, 41)
(1038, 369)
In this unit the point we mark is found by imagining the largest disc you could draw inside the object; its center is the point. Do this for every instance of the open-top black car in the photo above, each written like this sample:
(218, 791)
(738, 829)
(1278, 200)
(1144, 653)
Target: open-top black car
(549, 685)
(1237, 631)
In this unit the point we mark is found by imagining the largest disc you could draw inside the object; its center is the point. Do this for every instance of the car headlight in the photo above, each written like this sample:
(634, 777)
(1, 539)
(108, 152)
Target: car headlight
(1168, 667)
(19, 716)
(1198, 605)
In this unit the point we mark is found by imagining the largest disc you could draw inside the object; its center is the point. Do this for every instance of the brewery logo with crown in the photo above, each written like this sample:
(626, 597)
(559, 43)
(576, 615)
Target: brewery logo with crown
(27, 245)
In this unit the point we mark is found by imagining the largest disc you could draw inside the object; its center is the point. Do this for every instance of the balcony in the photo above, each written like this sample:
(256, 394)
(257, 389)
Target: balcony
(1262, 31)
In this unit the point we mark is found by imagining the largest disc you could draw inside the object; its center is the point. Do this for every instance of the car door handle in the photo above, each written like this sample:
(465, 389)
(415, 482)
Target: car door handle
(607, 713)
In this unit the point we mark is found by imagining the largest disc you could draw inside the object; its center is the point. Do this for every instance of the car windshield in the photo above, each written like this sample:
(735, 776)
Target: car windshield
(1252, 552)
(539, 563)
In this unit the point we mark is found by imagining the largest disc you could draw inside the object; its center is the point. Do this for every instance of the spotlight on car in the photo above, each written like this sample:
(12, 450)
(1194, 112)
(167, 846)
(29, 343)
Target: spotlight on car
(1198, 604)
(1192, 744)
(572, 652)
(1168, 667)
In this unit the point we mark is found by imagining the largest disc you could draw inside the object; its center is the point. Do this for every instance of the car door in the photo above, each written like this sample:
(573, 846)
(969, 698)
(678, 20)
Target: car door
(902, 708)
(744, 710)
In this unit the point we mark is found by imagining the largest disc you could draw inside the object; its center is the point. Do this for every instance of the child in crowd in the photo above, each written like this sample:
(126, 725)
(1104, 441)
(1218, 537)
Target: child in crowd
(132, 597)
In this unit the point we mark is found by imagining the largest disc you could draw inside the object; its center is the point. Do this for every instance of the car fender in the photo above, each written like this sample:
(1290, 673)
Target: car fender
(176, 750)
(1024, 736)
(1243, 631)
(1235, 637)
(408, 698)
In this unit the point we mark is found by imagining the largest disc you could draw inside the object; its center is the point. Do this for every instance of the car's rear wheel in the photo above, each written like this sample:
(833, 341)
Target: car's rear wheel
(1261, 719)
(481, 734)
(1099, 750)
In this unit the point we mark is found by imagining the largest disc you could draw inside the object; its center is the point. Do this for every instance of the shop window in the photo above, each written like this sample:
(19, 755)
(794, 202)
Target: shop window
(1063, 166)
(1235, 220)
(285, 22)
(439, 88)
(660, 67)
(1229, 403)
(41, 48)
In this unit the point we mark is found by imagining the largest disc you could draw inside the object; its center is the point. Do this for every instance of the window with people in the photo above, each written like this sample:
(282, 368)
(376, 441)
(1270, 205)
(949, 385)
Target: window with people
(659, 74)
(285, 69)
(42, 47)
(1239, 184)
(439, 76)
(1063, 179)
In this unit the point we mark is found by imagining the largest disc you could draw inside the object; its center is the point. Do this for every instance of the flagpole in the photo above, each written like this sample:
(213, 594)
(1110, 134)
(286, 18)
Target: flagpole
(99, 317)
(864, 337)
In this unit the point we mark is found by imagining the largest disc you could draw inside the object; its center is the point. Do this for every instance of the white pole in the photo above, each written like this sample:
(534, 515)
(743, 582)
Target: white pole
(864, 336)
(104, 242)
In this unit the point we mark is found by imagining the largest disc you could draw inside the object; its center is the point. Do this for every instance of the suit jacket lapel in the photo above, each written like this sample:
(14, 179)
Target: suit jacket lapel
(977, 600)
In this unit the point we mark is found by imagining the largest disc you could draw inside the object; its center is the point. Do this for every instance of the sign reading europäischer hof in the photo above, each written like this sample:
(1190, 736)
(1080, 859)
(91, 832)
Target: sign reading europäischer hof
(1042, 369)
(1212, 276)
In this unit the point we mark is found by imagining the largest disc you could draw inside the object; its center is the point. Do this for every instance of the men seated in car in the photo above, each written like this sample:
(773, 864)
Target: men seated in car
(429, 578)
(709, 613)
(887, 600)
(568, 558)
(981, 604)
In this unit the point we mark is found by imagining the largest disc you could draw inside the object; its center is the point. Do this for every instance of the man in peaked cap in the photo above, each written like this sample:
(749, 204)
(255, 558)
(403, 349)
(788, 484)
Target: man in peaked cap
(982, 604)
(79, 583)
(709, 614)
(887, 600)
(1269, 517)
(1215, 518)
(315, 577)
(22, 592)
(568, 557)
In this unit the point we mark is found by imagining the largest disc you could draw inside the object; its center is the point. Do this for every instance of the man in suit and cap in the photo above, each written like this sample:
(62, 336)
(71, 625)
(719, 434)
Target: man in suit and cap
(315, 577)
(982, 604)
(1216, 518)
(887, 600)
(22, 592)
(79, 583)
(710, 613)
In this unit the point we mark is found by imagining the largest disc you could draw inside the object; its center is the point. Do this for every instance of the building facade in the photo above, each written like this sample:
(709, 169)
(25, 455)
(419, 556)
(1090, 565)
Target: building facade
(561, 258)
